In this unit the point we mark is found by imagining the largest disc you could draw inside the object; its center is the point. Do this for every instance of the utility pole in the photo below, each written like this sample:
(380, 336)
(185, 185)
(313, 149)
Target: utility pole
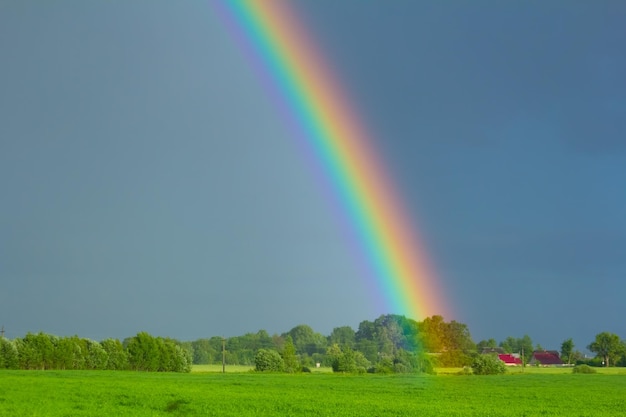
(223, 355)
(2, 332)
(523, 364)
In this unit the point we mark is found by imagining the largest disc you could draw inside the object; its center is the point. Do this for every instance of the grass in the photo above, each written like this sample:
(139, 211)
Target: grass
(92, 393)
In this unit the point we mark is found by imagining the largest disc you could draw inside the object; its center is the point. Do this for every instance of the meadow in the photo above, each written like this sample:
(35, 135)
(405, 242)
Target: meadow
(205, 393)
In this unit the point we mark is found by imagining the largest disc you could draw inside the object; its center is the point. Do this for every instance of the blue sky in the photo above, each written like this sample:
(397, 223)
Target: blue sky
(148, 184)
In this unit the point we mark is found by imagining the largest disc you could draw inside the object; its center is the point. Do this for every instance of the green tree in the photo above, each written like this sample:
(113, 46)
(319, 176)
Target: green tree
(440, 336)
(143, 353)
(433, 330)
(69, 353)
(290, 360)
(486, 344)
(607, 346)
(268, 360)
(344, 359)
(457, 337)
(369, 348)
(306, 340)
(95, 356)
(9, 357)
(203, 352)
(523, 345)
(346, 362)
(172, 356)
(343, 336)
(36, 351)
(509, 345)
(117, 356)
(386, 335)
(264, 340)
(567, 347)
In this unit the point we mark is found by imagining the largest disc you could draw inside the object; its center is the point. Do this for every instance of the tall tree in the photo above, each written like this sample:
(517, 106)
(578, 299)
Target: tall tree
(567, 347)
(458, 337)
(520, 345)
(433, 332)
(118, 358)
(343, 336)
(9, 358)
(486, 344)
(306, 340)
(608, 346)
(290, 360)
(143, 352)
(441, 336)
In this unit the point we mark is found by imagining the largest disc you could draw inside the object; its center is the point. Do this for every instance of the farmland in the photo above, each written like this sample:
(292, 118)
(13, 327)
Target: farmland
(204, 393)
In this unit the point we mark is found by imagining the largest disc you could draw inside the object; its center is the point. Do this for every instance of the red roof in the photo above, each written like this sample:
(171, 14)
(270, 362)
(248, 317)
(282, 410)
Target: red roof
(510, 359)
(547, 358)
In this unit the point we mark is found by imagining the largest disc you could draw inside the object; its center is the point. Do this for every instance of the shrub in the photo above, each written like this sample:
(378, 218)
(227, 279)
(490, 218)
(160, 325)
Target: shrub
(267, 360)
(346, 360)
(488, 365)
(583, 369)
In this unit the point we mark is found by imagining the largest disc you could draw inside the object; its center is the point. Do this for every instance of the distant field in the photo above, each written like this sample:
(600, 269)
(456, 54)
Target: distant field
(514, 370)
(93, 393)
(240, 368)
(218, 368)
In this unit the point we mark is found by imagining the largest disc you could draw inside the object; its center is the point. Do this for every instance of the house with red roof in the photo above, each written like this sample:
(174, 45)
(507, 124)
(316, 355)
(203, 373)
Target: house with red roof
(546, 358)
(510, 360)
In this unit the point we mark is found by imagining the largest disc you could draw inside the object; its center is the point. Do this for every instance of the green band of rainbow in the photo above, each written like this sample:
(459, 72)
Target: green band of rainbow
(341, 145)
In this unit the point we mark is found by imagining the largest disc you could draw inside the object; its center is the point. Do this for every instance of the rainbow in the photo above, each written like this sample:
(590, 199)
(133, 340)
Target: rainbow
(315, 104)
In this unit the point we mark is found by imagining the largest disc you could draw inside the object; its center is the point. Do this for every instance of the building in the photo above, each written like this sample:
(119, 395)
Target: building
(546, 358)
(510, 359)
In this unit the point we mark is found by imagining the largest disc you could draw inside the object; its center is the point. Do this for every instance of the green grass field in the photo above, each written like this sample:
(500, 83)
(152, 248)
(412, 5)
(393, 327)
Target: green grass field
(93, 393)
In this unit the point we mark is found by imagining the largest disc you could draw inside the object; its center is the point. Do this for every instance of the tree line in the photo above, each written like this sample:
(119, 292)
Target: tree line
(142, 352)
(390, 343)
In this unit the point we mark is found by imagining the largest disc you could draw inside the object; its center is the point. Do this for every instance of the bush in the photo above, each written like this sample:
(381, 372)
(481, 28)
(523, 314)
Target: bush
(346, 360)
(267, 360)
(488, 365)
(583, 369)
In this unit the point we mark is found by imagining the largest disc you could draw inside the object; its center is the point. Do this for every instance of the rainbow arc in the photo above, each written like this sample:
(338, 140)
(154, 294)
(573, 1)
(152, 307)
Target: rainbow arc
(318, 107)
